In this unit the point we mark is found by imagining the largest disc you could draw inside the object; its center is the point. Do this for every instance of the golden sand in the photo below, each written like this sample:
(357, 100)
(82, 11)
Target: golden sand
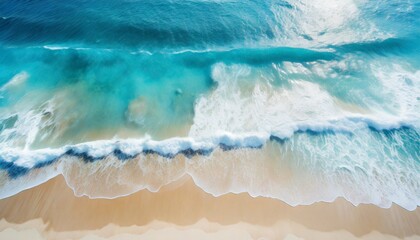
(184, 211)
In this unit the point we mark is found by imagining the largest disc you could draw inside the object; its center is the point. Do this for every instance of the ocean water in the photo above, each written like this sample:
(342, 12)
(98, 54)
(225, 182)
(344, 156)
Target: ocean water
(299, 100)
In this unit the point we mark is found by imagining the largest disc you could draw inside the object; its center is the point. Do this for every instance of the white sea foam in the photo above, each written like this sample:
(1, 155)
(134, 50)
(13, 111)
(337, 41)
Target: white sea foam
(15, 82)
(324, 22)
(30, 120)
(402, 89)
(54, 48)
(237, 108)
(131, 147)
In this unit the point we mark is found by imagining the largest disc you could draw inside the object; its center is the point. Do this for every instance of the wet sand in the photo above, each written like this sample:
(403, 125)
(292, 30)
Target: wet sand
(184, 211)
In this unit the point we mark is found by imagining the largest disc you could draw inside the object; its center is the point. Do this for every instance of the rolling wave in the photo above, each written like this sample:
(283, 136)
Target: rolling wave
(260, 165)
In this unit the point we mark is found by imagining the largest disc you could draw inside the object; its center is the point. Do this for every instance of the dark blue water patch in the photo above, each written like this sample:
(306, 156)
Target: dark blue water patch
(122, 155)
(189, 153)
(153, 152)
(13, 171)
(228, 148)
(278, 140)
(45, 163)
(391, 131)
(83, 155)
(312, 133)
(152, 24)
(381, 47)
(323, 132)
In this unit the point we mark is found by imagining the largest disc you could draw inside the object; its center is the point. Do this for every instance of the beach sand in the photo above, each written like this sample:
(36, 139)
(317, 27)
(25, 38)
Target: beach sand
(184, 211)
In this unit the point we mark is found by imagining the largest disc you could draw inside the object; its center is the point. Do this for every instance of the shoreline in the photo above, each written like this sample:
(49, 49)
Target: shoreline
(52, 210)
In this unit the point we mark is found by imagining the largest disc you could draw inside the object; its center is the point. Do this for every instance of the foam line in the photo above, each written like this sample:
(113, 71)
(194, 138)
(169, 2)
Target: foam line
(18, 162)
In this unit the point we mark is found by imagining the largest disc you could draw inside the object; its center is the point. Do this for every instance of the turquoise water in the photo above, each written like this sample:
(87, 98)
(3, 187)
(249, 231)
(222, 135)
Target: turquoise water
(326, 88)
